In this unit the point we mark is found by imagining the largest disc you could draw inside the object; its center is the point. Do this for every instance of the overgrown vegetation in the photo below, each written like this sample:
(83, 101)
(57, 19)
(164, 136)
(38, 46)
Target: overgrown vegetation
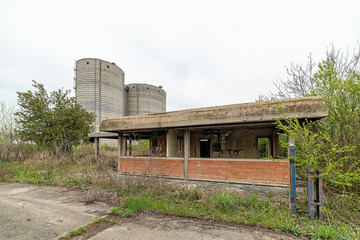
(11, 145)
(52, 121)
(234, 207)
(135, 194)
(332, 143)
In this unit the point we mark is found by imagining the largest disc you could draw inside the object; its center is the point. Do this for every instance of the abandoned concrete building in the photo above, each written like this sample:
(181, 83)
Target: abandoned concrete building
(100, 88)
(214, 143)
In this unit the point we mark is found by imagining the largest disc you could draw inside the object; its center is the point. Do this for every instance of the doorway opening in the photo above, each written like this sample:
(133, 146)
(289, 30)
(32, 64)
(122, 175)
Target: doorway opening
(204, 148)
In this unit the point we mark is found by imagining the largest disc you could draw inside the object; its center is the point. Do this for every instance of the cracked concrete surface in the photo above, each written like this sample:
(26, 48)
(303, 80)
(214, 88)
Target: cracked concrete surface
(43, 212)
(162, 227)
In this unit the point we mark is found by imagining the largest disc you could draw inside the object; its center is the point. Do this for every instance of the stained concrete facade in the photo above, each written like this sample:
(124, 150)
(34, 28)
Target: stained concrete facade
(143, 98)
(99, 88)
(216, 143)
(254, 114)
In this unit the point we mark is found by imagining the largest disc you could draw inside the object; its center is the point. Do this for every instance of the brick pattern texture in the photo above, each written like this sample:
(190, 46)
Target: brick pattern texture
(172, 167)
(254, 171)
(251, 171)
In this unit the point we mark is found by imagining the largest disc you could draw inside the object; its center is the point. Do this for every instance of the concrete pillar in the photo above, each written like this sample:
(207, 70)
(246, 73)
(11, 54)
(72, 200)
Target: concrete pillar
(120, 148)
(167, 144)
(96, 147)
(276, 144)
(130, 147)
(186, 152)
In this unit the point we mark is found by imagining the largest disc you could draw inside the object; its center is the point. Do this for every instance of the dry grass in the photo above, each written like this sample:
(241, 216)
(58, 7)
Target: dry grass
(101, 182)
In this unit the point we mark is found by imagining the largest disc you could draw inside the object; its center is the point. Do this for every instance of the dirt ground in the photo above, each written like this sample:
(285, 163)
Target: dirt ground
(44, 212)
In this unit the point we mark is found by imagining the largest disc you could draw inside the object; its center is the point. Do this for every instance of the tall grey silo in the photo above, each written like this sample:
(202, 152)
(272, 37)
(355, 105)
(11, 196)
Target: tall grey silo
(99, 88)
(144, 99)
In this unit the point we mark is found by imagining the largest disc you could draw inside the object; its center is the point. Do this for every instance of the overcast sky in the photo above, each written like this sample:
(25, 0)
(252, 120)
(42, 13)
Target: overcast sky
(203, 53)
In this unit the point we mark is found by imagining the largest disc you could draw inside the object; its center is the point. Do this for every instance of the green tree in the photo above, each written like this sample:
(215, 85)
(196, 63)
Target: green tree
(53, 120)
(332, 143)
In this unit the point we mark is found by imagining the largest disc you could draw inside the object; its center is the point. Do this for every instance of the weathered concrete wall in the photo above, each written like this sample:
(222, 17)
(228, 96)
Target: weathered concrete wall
(259, 112)
(142, 98)
(99, 89)
(175, 143)
(237, 170)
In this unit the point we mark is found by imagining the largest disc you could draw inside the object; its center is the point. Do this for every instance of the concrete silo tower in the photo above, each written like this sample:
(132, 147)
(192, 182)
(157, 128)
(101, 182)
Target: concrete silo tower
(144, 99)
(99, 88)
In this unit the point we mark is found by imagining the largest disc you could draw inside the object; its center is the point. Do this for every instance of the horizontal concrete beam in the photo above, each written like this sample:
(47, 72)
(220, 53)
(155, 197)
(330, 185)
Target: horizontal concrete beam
(103, 135)
(301, 108)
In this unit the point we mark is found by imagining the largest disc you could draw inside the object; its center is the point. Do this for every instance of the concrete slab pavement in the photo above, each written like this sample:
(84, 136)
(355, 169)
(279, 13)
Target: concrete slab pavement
(44, 212)
(33, 212)
(162, 227)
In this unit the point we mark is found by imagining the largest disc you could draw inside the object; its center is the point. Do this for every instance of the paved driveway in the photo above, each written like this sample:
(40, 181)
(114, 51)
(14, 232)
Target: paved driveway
(44, 212)
(161, 227)
(33, 212)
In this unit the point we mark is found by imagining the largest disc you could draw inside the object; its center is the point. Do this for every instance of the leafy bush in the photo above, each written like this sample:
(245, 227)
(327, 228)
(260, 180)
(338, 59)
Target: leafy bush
(52, 120)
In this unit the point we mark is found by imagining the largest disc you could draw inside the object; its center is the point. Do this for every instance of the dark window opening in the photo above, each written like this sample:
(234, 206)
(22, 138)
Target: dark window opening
(107, 66)
(283, 145)
(263, 148)
(204, 148)
(87, 62)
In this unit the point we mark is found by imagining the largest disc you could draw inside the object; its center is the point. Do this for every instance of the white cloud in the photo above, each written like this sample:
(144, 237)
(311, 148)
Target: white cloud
(203, 52)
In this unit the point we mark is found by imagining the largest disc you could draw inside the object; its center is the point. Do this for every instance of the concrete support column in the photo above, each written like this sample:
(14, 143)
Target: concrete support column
(120, 148)
(167, 144)
(96, 147)
(186, 152)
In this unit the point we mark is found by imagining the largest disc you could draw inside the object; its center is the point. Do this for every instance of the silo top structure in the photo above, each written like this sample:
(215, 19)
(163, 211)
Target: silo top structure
(143, 98)
(99, 88)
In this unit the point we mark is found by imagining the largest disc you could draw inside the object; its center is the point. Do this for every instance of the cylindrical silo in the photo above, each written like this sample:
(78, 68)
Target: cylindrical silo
(144, 99)
(99, 88)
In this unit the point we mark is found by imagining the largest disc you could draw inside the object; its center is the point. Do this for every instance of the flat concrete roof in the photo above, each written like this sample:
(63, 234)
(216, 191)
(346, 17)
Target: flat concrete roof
(311, 108)
(103, 135)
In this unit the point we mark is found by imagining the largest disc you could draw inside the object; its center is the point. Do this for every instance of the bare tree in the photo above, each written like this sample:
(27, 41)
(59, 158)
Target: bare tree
(7, 131)
(301, 80)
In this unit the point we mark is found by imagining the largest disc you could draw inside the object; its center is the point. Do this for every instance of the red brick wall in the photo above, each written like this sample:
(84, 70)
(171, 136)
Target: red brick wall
(173, 167)
(251, 171)
(256, 171)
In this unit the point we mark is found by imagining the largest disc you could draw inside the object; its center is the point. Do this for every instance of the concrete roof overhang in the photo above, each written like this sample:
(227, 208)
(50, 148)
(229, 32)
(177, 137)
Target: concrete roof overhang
(311, 108)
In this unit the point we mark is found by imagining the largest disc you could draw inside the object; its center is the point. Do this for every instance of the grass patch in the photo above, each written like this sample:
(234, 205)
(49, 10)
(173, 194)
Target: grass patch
(74, 233)
(84, 229)
(227, 206)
